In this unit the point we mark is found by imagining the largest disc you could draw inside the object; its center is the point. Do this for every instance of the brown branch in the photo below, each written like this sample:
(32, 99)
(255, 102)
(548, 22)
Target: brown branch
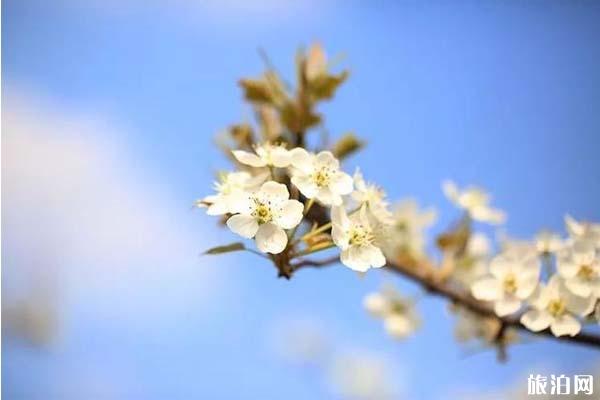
(424, 278)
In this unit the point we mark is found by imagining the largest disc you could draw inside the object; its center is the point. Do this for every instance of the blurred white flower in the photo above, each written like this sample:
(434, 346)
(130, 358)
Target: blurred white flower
(555, 306)
(363, 376)
(229, 186)
(265, 214)
(407, 231)
(398, 312)
(472, 264)
(373, 197)
(513, 278)
(357, 239)
(580, 267)
(265, 155)
(319, 176)
(583, 231)
(475, 202)
(547, 242)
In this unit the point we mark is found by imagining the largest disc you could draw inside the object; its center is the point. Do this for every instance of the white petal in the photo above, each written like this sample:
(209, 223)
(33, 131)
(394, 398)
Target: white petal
(578, 286)
(301, 160)
(271, 239)
(359, 181)
(306, 185)
(500, 266)
(326, 196)
(342, 183)
(280, 157)
(339, 236)
(536, 320)
(244, 225)
(398, 326)
(353, 260)
(374, 256)
(376, 304)
(240, 202)
(506, 306)
(566, 267)
(565, 325)
(486, 214)
(340, 217)
(578, 305)
(487, 289)
(275, 191)
(291, 214)
(219, 207)
(249, 158)
(450, 190)
(328, 159)
(527, 286)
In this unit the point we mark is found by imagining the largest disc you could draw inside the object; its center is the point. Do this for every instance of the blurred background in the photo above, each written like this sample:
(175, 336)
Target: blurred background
(109, 109)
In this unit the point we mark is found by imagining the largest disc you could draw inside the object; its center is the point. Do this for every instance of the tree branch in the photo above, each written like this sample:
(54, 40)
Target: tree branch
(424, 278)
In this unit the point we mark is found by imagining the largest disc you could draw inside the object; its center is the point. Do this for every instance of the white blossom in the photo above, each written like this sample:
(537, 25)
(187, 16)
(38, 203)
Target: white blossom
(547, 242)
(556, 307)
(319, 176)
(583, 231)
(360, 375)
(475, 202)
(229, 186)
(265, 214)
(407, 230)
(398, 312)
(580, 267)
(265, 155)
(513, 278)
(357, 239)
(373, 197)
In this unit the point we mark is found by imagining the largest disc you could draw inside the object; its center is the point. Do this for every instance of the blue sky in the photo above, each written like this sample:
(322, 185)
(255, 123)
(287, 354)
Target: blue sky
(501, 94)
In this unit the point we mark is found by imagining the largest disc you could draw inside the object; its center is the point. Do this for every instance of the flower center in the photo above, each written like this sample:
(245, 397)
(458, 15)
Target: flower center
(360, 236)
(510, 284)
(322, 177)
(399, 307)
(556, 307)
(262, 213)
(586, 272)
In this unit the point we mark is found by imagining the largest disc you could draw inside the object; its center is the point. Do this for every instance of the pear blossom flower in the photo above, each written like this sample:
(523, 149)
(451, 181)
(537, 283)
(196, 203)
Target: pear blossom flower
(583, 231)
(265, 155)
(265, 214)
(556, 307)
(513, 279)
(475, 202)
(547, 242)
(228, 187)
(406, 233)
(319, 176)
(398, 313)
(580, 267)
(373, 197)
(357, 239)
(472, 264)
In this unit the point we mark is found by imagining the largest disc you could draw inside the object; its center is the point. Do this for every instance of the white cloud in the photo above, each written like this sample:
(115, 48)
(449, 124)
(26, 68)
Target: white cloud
(83, 222)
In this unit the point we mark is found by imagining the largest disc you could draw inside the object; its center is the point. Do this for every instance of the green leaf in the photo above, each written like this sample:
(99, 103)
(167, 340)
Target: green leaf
(238, 246)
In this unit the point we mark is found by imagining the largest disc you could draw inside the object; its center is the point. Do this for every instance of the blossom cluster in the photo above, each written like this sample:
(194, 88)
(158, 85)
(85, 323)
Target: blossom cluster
(294, 200)
(258, 205)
